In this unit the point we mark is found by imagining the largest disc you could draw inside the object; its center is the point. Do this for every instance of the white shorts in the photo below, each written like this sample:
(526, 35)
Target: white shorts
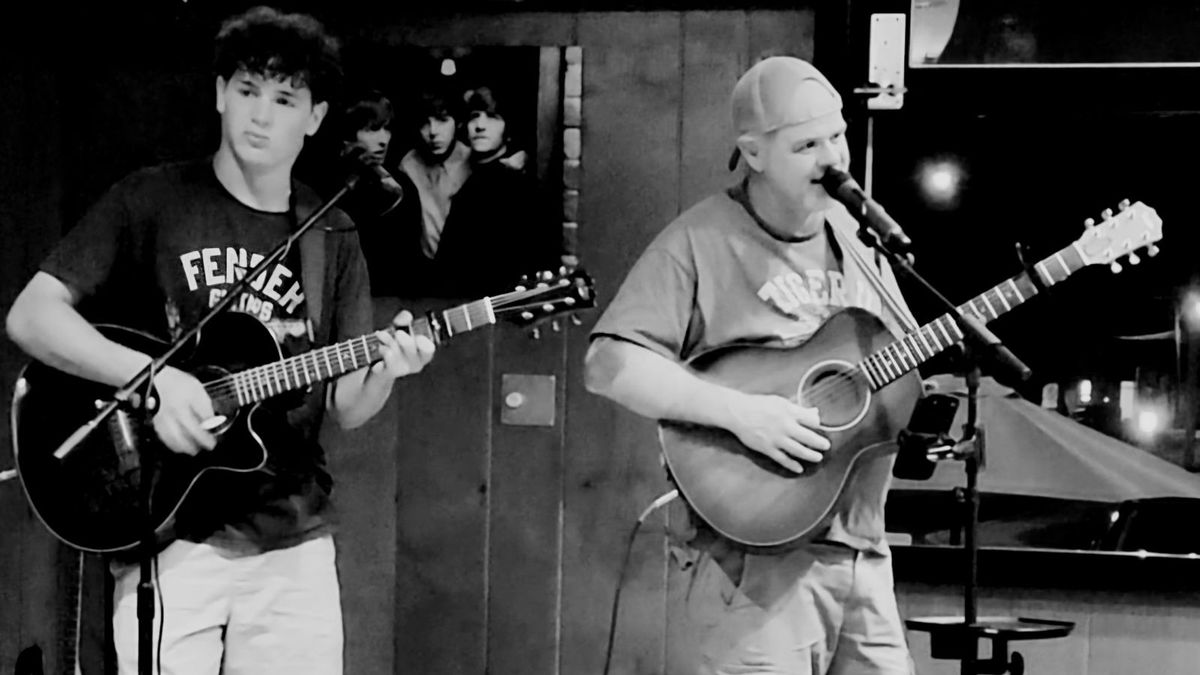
(275, 612)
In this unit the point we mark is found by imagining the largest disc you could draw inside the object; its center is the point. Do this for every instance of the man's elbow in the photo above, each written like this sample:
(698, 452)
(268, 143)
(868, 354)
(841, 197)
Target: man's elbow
(18, 323)
(600, 366)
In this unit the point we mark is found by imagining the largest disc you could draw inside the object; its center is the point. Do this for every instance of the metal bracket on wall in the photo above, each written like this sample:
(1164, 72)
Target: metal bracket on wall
(527, 400)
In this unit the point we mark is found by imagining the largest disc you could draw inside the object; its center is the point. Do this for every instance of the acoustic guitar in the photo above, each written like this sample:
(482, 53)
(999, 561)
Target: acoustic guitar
(863, 383)
(92, 496)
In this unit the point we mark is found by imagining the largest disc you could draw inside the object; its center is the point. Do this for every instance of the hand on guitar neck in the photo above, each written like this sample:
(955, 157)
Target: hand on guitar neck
(778, 428)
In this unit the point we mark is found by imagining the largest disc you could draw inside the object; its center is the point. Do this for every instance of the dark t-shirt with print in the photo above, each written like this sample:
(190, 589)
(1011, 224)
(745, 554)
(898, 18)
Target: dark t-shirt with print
(158, 250)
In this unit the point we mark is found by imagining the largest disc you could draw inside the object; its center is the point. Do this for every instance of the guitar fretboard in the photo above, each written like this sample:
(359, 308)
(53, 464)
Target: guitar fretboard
(898, 358)
(263, 382)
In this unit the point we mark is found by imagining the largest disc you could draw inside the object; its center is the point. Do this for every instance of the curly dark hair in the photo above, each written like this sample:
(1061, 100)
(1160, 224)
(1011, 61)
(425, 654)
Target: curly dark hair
(269, 43)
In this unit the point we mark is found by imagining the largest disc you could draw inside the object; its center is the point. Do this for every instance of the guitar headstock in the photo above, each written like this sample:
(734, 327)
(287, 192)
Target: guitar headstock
(546, 295)
(1134, 226)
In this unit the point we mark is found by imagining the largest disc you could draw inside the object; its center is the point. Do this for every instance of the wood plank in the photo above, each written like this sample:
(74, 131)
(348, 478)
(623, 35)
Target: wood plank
(714, 56)
(630, 191)
(524, 514)
(441, 517)
(363, 464)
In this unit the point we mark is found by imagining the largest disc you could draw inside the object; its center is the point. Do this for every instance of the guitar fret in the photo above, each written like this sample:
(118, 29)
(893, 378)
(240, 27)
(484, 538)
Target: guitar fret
(987, 304)
(921, 336)
(337, 350)
(328, 364)
(907, 352)
(884, 375)
(1016, 290)
(945, 333)
(868, 366)
(1066, 270)
(888, 366)
(1044, 273)
(915, 348)
(237, 390)
(282, 368)
(353, 358)
(867, 374)
(889, 362)
(1003, 300)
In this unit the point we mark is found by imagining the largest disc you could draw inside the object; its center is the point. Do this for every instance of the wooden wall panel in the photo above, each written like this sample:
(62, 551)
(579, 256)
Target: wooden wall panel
(525, 513)
(631, 171)
(363, 464)
(441, 510)
(714, 56)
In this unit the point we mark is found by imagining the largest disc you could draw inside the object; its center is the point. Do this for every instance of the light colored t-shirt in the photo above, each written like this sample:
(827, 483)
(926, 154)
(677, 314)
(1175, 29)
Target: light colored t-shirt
(716, 277)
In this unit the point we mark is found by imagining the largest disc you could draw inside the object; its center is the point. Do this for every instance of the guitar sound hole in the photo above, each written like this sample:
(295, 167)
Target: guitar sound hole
(838, 391)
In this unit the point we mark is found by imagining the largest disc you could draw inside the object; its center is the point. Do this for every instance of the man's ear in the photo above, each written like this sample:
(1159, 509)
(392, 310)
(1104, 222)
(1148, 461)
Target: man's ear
(221, 86)
(317, 115)
(751, 147)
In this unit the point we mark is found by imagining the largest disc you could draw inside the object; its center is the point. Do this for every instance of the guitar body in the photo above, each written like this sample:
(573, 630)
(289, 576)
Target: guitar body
(93, 497)
(746, 496)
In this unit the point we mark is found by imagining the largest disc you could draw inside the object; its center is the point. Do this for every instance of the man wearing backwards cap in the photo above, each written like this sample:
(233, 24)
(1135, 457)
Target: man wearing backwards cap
(766, 262)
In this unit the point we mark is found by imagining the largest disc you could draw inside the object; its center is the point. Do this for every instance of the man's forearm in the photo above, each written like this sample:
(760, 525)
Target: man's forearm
(655, 387)
(359, 396)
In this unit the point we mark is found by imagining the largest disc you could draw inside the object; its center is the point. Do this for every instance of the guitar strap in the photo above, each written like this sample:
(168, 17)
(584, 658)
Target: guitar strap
(893, 303)
(312, 264)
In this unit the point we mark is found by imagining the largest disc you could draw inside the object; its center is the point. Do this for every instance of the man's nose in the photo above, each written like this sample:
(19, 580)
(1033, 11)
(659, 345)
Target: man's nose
(262, 111)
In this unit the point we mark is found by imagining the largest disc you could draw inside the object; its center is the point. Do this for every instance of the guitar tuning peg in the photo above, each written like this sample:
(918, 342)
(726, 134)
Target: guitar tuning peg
(1134, 259)
(1106, 214)
(1115, 267)
(1089, 223)
(547, 308)
(547, 275)
(576, 320)
(528, 316)
(1123, 204)
(1152, 250)
(536, 333)
(554, 326)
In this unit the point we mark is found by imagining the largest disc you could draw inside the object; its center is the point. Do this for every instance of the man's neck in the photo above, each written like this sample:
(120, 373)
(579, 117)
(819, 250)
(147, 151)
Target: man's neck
(785, 219)
(268, 190)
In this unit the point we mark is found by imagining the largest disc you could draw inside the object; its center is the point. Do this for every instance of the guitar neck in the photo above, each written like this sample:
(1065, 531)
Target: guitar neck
(898, 358)
(279, 377)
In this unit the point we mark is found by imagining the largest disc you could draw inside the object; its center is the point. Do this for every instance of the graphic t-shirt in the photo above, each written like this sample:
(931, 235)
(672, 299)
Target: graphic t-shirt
(716, 277)
(155, 253)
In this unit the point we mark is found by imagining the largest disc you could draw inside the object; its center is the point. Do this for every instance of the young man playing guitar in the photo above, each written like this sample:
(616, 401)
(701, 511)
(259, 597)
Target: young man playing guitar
(765, 263)
(246, 572)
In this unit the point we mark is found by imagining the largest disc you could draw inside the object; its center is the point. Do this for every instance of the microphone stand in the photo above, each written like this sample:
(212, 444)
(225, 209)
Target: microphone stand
(958, 637)
(127, 399)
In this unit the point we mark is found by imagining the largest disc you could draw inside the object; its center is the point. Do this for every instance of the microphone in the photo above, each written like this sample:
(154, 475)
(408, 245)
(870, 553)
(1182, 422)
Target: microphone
(842, 187)
(359, 162)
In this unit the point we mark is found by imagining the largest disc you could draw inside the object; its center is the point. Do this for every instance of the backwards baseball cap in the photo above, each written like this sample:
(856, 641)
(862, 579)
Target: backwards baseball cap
(778, 92)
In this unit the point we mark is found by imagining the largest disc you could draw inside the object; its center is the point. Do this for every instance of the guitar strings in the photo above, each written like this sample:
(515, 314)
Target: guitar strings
(260, 379)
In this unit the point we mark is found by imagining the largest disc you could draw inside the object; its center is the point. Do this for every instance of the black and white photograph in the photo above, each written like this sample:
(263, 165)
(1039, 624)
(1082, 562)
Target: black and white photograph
(523, 337)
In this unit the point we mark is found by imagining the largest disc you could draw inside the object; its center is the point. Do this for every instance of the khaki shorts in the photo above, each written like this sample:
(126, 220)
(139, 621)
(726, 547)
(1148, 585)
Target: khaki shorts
(819, 609)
